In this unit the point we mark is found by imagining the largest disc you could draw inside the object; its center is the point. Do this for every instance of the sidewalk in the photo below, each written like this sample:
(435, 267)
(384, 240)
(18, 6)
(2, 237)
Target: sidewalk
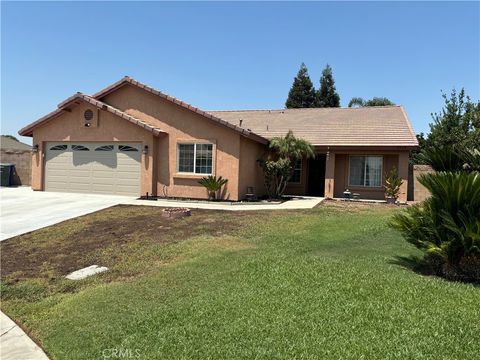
(296, 203)
(15, 344)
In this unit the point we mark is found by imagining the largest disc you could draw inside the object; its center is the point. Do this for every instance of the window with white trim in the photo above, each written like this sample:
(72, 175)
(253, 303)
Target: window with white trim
(365, 171)
(194, 158)
(297, 172)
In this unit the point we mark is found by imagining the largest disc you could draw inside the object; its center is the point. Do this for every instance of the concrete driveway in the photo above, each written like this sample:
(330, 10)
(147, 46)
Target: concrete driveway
(24, 210)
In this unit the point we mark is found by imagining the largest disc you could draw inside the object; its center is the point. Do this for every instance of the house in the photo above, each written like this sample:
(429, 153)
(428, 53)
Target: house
(132, 139)
(15, 152)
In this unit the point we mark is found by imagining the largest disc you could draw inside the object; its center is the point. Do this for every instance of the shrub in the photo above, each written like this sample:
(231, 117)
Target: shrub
(213, 185)
(393, 182)
(446, 226)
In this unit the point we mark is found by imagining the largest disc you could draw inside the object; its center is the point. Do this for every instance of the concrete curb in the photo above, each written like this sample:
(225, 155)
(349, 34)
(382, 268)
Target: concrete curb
(15, 344)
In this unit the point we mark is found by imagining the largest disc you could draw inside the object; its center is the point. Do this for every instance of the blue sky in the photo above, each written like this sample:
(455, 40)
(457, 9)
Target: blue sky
(237, 55)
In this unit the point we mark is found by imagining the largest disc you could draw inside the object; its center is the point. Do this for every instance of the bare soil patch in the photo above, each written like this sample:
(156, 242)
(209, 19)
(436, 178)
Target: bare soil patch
(76, 243)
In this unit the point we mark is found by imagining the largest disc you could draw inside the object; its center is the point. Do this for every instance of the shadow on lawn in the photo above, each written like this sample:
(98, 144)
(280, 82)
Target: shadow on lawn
(414, 263)
(420, 266)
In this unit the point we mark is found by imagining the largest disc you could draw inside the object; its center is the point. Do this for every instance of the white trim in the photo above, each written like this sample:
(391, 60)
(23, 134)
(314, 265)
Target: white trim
(194, 157)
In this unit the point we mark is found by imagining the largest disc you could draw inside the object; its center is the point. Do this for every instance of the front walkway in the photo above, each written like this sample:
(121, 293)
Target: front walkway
(15, 344)
(295, 203)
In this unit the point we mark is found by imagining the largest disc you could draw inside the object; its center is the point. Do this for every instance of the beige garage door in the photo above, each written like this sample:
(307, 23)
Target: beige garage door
(98, 168)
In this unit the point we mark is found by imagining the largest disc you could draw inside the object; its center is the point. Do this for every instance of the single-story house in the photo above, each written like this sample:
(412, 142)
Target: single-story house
(15, 152)
(132, 139)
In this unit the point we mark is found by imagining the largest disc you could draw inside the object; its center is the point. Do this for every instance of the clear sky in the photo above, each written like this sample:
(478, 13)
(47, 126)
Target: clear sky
(237, 55)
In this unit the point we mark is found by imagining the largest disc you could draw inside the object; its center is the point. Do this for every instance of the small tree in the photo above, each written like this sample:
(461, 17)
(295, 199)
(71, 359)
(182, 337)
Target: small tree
(327, 95)
(279, 162)
(302, 92)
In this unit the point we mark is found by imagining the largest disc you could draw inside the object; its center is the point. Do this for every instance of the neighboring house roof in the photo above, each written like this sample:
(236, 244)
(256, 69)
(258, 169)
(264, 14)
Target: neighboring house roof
(385, 126)
(11, 144)
(129, 81)
(75, 100)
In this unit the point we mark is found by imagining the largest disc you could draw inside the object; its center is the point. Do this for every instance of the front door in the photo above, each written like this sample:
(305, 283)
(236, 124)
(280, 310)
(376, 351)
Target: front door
(316, 175)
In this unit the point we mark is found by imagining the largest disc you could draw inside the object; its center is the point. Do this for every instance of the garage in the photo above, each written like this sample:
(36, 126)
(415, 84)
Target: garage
(97, 168)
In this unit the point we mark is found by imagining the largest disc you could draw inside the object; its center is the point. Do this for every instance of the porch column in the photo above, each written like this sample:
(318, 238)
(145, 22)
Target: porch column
(403, 174)
(330, 175)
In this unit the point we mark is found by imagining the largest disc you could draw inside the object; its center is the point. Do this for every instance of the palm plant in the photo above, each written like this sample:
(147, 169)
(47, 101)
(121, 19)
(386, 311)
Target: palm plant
(446, 226)
(278, 165)
(213, 185)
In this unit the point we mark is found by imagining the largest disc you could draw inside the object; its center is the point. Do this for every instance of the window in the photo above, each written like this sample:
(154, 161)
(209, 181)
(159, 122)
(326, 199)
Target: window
(195, 158)
(80, 148)
(297, 172)
(126, 148)
(59, 147)
(365, 171)
(104, 148)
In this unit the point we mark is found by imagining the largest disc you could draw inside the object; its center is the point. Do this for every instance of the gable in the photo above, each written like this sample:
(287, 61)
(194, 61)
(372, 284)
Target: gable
(70, 103)
(145, 90)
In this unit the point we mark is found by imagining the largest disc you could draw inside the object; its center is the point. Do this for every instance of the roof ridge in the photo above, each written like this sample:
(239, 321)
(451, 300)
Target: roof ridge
(309, 109)
(127, 79)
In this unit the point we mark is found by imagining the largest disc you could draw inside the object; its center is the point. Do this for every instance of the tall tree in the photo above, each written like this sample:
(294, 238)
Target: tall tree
(302, 92)
(327, 95)
(376, 101)
(456, 125)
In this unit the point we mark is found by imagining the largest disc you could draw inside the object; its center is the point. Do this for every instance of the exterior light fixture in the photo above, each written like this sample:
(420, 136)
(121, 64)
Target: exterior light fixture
(145, 149)
(35, 148)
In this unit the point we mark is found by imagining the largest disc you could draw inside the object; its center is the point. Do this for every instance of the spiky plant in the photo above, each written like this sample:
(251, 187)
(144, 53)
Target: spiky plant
(393, 183)
(213, 185)
(446, 226)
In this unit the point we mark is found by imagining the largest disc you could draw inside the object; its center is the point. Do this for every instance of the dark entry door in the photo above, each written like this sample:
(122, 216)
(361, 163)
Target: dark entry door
(316, 175)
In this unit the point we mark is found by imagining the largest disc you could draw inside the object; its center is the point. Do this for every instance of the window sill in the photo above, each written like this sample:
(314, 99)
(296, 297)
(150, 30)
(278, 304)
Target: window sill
(189, 175)
(365, 188)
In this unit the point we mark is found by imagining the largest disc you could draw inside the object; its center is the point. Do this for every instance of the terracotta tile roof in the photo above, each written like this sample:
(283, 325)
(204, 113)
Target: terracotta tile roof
(128, 80)
(385, 126)
(73, 100)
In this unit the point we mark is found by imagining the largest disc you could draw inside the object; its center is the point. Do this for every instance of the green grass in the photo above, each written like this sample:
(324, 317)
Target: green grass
(318, 284)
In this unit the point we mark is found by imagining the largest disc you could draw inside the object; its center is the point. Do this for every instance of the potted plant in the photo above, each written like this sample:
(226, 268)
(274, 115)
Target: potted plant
(213, 185)
(392, 186)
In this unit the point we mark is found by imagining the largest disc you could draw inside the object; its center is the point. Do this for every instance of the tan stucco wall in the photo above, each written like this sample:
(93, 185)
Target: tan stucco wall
(250, 173)
(420, 192)
(23, 164)
(182, 125)
(110, 128)
(390, 160)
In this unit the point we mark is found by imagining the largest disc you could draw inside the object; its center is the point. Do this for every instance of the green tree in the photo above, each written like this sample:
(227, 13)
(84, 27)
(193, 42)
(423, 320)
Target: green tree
(376, 101)
(278, 164)
(327, 95)
(302, 92)
(415, 157)
(458, 124)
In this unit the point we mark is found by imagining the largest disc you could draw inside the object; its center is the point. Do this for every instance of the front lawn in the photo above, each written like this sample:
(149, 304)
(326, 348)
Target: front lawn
(321, 283)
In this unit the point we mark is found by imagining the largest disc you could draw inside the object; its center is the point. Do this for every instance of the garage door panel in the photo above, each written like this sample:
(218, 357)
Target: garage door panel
(110, 171)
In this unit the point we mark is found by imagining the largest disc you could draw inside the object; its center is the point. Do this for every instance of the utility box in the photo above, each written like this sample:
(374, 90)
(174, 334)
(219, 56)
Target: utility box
(6, 173)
